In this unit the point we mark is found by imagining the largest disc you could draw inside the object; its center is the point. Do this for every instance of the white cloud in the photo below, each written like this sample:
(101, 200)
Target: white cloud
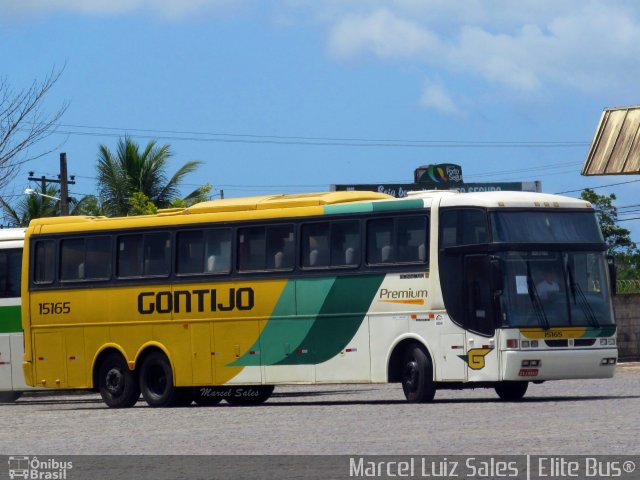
(525, 47)
(435, 97)
(382, 34)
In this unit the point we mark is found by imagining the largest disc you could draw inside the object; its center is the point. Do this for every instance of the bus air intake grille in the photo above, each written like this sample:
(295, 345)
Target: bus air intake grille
(584, 342)
(557, 343)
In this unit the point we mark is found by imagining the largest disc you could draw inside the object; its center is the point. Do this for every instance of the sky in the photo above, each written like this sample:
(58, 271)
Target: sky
(295, 95)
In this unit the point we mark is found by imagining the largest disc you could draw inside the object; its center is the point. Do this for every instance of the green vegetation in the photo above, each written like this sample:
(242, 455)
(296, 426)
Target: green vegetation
(618, 239)
(130, 171)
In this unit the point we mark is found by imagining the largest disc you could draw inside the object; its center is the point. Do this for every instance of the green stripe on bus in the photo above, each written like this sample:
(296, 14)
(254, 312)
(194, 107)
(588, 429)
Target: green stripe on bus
(605, 331)
(383, 206)
(285, 331)
(10, 319)
(398, 205)
(338, 320)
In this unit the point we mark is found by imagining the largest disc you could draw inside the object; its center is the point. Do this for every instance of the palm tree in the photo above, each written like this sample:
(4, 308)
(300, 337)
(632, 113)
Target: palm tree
(32, 206)
(131, 171)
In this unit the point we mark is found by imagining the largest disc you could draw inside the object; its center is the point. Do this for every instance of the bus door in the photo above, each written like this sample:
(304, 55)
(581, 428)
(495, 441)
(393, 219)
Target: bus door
(481, 356)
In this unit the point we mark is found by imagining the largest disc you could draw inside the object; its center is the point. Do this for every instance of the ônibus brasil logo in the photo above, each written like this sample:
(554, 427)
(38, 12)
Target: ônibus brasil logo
(40, 469)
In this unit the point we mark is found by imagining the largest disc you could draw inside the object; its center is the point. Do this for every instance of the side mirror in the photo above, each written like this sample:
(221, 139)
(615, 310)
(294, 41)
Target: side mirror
(497, 275)
(613, 274)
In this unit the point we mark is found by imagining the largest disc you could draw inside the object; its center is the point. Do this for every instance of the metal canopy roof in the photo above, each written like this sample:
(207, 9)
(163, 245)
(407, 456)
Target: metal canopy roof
(615, 149)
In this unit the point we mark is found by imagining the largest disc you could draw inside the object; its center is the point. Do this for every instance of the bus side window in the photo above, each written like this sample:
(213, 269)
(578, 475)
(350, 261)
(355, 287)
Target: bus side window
(190, 252)
(72, 259)
(44, 262)
(251, 248)
(130, 256)
(280, 247)
(10, 273)
(315, 245)
(97, 263)
(345, 244)
(157, 254)
(217, 251)
(411, 239)
(380, 241)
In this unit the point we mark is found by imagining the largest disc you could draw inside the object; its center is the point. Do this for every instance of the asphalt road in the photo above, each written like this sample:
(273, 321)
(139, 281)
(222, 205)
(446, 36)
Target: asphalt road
(564, 417)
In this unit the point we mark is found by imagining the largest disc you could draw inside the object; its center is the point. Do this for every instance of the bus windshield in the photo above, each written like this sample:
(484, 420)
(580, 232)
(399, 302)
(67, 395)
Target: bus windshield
(545, 226)
(555, 289)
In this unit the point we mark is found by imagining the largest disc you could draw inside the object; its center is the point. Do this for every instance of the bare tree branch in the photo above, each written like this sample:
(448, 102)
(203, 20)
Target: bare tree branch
(23, 123)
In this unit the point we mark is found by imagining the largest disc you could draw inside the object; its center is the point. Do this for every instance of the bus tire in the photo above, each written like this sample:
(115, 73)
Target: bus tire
(417, 375)
(511, 391)
(117, 385)
(255, 395)
(156, 383)
(9, 397)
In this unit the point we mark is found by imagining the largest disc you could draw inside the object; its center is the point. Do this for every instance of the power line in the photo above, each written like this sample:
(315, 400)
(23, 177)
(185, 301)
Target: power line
(601, 186)
(332, 139)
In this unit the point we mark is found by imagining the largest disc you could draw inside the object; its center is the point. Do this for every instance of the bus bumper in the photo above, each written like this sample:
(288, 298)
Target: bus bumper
(557, 365)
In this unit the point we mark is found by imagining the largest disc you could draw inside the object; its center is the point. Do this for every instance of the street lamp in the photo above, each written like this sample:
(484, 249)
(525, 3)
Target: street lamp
(31, 191)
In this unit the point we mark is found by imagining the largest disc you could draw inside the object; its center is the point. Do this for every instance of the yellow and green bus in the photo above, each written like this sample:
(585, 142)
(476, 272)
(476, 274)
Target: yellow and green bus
(228, 298)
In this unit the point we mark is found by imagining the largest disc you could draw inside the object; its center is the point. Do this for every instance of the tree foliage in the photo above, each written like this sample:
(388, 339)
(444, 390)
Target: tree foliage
(618, 239)
(32, 206)
(23, 122)
(131, 170)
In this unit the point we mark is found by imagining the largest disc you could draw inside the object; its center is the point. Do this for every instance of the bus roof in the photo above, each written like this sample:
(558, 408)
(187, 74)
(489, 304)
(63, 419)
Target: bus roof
(501, 199)
(308, 204)
(7, 234)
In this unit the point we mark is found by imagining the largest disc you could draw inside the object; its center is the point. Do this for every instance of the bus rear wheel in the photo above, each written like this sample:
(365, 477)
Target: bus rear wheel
(417, 375)
(511, 391)
(156, 383)
(250, 395)
(117, 384)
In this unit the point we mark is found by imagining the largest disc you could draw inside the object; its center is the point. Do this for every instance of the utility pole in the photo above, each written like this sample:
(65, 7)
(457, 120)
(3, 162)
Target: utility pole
(62, 180)
(64, 186)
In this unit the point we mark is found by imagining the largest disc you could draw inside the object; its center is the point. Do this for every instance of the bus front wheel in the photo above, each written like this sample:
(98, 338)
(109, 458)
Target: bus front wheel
(117, 384)
(511, 391)
(417, 375)
(156, 383)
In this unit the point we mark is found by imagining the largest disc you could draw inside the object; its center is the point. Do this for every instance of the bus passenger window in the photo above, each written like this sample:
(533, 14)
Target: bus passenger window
(44, 262)
(251, 248)
(217, 254)
(10, 270)
(72, 259)
(98, 258)
(280, 247)
(411, 239)
(380, 241)
(157, 254)
(345, 244)
(190, 252)
(130, 256)
(315, 245)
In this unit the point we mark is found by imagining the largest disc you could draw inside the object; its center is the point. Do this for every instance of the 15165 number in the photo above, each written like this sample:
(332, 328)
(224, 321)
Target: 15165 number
(57, 308)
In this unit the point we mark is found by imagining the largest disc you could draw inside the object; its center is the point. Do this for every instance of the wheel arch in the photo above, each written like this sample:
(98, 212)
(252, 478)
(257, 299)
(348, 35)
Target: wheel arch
(100, 355)
(150, 347)
(394, 358)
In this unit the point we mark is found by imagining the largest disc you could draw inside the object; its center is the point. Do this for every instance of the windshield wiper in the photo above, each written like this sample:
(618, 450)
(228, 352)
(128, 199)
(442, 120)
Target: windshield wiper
(585, 306)
(535, 300)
